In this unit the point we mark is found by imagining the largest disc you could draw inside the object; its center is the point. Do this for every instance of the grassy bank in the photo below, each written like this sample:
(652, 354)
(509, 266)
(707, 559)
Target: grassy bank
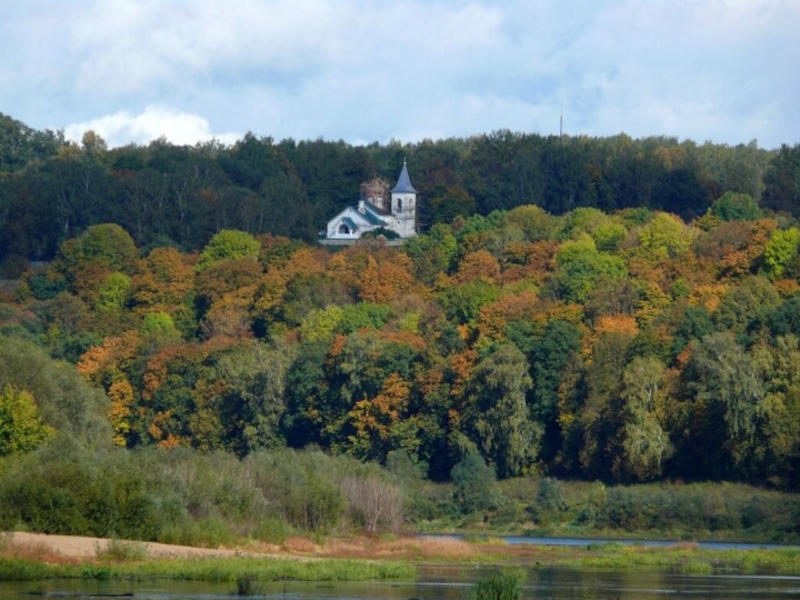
(209, 569)
(214, 499)
(686, 560)
(397, 559)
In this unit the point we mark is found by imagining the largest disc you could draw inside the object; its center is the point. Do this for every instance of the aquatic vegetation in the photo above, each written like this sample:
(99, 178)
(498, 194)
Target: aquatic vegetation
(498, 586)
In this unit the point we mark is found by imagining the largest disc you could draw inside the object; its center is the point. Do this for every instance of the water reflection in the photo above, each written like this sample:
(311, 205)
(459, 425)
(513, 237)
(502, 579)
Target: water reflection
(561, 541)
(438, 582)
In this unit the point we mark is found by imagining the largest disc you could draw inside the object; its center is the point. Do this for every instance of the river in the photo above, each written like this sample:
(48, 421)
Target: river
(560, 541)
(438, 582)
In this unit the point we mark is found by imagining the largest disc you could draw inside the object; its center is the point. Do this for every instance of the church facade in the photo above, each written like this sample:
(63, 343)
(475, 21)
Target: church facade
(378, 209)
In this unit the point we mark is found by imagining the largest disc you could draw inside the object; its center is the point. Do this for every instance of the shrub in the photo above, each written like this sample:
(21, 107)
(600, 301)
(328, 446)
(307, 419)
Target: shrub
(122, 551)
(549, 502)
(272, 529)
(475, 484)
(373, 503)
(302, 487)
(208, 532)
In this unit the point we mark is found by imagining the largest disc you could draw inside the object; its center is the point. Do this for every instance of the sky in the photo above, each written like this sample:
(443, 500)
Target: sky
(363, 71)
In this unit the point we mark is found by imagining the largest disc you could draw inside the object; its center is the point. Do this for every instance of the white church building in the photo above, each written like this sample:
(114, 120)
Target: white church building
(377, 209)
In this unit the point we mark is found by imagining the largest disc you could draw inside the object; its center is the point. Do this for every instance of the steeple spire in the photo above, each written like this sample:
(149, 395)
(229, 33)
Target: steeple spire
(404, 182)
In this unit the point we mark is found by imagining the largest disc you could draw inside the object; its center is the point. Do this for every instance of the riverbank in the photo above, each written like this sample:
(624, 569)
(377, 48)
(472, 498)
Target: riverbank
(29, 557)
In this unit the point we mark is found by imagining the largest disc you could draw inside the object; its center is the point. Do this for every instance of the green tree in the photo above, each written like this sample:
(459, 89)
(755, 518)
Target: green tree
(107, 246)
(646, 444)
(665, 236)
(433, 253)
(21, 426)
(228, 244)
(497, 413)
(745, 307)
(778, 446)
(462, 302)
(785, 318)
(780, 250)
(475, 484)
(159, 324)
(65, 400)
(782, 181)
(255, 381)
(548, 352)
(449, 204)
(580, 266)
(728, 400)
(536, 224)
(113, 292)
(735, 207)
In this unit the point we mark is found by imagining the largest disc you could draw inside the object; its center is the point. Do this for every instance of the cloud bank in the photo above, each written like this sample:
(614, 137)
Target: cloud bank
(723, 70)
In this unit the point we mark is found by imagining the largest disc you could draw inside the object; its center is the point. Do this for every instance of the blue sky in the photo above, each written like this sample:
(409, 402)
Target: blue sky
(363, 71)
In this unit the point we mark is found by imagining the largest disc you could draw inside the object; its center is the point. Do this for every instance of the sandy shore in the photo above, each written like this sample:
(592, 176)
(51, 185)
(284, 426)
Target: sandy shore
(70, 548)
(82, 548)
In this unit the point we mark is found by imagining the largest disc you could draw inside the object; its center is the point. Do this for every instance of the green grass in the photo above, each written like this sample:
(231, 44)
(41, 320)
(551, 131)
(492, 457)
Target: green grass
(122, 551)
(18, 569)
(212, 569)
(689, 560)
(498, 586)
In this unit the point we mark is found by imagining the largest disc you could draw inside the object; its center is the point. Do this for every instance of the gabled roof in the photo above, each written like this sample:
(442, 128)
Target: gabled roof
(404, 182)
(372, 215)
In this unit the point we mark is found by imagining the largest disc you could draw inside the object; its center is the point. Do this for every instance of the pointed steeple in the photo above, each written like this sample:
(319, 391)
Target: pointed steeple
(404, 182)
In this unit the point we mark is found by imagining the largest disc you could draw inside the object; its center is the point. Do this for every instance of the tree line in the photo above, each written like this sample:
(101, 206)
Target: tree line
(52, 190)
(624, 346)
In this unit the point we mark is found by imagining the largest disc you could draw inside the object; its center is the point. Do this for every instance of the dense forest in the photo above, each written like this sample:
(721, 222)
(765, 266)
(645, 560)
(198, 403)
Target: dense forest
(162, 194)
(603, 309)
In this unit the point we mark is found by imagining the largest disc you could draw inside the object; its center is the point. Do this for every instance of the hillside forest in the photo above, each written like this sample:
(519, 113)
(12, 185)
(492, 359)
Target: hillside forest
(591, 309)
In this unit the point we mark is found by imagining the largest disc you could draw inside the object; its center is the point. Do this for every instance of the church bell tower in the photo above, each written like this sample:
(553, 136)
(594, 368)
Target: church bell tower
(404, 205)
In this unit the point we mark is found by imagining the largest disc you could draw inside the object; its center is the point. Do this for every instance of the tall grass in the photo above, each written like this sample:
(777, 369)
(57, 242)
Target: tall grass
(121, 551)
(498, 586)
(212, 569)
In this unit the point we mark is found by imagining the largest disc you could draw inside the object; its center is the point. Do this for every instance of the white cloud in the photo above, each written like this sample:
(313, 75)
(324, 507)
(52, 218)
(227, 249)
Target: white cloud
(724, 70)
(155, 122)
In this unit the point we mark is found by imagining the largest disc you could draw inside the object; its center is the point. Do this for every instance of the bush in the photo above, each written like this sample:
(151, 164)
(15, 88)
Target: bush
(208, 532)
(550, 501)
(122, 551)
(373, 503)
(272, 529)
(475, 484)
(79, 498)
(301, 485)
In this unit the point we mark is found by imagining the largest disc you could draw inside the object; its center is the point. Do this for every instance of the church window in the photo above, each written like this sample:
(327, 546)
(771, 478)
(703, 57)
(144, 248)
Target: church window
(399, 204)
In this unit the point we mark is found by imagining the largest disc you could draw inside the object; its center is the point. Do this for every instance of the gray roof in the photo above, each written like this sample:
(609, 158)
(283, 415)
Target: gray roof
(372, 215)
(350, 223)
(404, 182)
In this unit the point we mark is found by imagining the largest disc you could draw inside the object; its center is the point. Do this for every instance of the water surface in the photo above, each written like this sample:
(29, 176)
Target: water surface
(584, 542)
(438, 582)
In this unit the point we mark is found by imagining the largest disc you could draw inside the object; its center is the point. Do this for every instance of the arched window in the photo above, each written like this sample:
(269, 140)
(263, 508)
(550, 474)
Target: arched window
(399, 204)
(343, 228)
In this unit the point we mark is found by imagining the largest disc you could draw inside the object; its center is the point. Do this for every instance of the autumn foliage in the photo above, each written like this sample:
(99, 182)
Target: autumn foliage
(627, 346)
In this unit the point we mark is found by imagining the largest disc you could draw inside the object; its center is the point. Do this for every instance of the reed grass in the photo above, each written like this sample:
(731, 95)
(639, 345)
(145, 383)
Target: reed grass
(212, 569)
(498, 586)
